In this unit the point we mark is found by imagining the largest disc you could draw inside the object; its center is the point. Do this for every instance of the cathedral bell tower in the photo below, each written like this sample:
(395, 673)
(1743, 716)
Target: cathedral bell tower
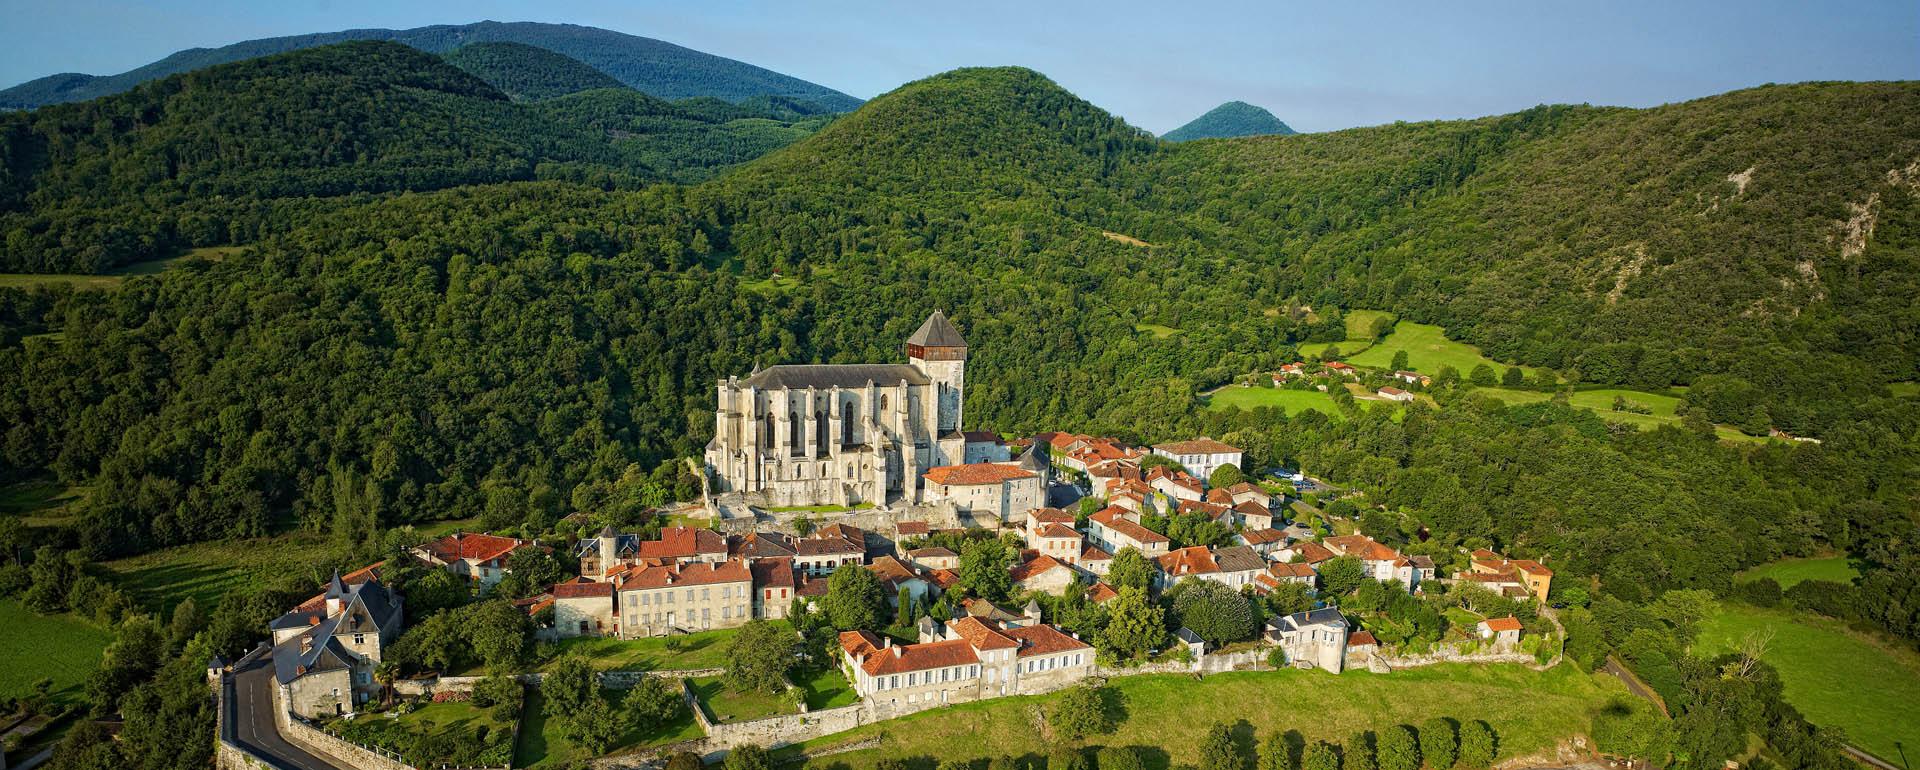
(938, 351)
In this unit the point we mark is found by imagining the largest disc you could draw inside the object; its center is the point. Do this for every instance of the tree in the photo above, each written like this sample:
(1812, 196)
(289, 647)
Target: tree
(1275, 753)
(685, 760)
(1134, 626)
(187, 621)
(758, 657)
(1217, 613)
(88, 746)
(1513, 377)
(1118, 758)
(654, 702)
(137, 651)
(1288, 598)
(1081, 712)
(1341, 574)
(595, 726)
(1068, 758)
(855, 600)
(501, 695)
(748, 756)
(1476, 744)
(1225, 476)
(1399, 360)
(529, 571)
(1395, 748)
(1358, 753)
(1482, 376)
(1130, 569)
(498, 632)
(1438, 745)
(568, 686)
(984, 570)
(1319, 755)
(1216, 749)
(52, 576)
(1446, 376)
(433, 592)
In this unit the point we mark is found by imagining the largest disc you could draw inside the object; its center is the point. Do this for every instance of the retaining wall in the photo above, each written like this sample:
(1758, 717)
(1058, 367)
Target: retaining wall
(316, 740)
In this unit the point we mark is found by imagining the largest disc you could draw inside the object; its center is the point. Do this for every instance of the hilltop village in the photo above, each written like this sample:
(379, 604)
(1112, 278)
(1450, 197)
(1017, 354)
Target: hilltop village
(917, 564)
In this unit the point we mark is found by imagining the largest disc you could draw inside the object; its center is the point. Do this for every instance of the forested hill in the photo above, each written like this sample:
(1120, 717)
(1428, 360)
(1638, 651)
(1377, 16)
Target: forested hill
(221, 155)
(526, 72)
(655, 67)
(1230, 120)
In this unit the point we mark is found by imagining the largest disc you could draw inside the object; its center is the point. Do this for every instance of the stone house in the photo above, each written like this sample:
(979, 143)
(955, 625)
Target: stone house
(1002, 492)
(897, 575)
(657, 600)
(1176, 485)
(1114, 528)
(1312, 639)
(1286, 572)
(1382, 562)
(476, 557)
(774, 587)
(970, 659)
(934, 557)
(1045, 574)
(1503, 632)
(1200, 456)
(1265, 542)
(829, 548)
(325, 649)
(1537, 579)
(1249, 492)
(1095, 560)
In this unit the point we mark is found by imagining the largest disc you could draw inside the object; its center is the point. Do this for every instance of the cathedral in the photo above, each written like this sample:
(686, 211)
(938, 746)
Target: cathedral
(843, 434)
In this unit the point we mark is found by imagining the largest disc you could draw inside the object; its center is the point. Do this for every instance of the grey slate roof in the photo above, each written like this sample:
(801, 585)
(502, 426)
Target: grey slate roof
(803, 376)
(937, 332)
(1239, 558)
(1325, 616)
(623, 545)
(1035, 458)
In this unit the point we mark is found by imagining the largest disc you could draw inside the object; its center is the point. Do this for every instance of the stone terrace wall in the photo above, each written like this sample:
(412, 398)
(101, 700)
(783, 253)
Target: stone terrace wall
(617, 680)
(316, 740)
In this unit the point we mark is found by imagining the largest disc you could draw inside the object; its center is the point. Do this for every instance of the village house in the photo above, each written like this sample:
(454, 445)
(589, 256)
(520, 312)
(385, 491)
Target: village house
(1045, 574)
(1305, 552)
(1382, 563)
(1112, 529)
(1532, 575)
(968, 659)
(1252, 515)
(830, 547)
(1050, 531)
(1287, 572)
(657, 600)
(1360, 645)
(1503, 632)
(582, 608)
(934, 557)
(1343, 370)
(476, 557)
(325, 649)
(1312, 639)
(1295, 369)
(906, 529)
(983, 446)
(896, 575)
(1200, 456)
(1095, 560)
(1082, 453)
(775, 584)
(1249, 492)
(1175, 484)
(1412, 377)
(1392, 393)
(761, 545)
(1265, 542)
(1001, 492)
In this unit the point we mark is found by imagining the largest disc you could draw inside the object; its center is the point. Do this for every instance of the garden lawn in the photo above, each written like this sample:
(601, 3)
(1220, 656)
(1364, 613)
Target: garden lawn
(1790, 572)
(542, 746)
(455, 733)
(207, 571)
(1834, 676)
(1428, 349)
(706, 649)
(827, 689)
(62, 647)
(1529, 711)
(1294, 401)
(725, 705)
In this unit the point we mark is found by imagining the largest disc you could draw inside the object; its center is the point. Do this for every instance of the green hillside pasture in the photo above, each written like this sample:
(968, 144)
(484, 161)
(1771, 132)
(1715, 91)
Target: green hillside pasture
(1836, 677)
(40, 503)
(1428, 349)
(1164, 711)
(111, 278)
(1791, 572)
(207, 571)
(1905, 389)
(1158, 331)
(62, 647)
(1601, 402)
(1360, 323)
(1294, 401)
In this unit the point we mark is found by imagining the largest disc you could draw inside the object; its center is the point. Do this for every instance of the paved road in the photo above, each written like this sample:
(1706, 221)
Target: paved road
(249, 720)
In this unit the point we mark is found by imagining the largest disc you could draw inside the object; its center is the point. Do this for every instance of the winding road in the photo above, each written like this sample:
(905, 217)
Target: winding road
(249, 724)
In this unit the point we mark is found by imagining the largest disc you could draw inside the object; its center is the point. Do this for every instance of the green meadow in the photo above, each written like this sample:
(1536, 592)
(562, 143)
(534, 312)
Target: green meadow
(61, 647)
(1790, 572)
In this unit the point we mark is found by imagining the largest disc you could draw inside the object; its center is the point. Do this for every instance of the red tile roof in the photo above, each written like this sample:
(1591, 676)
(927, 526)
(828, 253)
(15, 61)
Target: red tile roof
(685, 575)
(1199, 446)
(1219, 496)
(773, 573)
(1051, 515)
(1312, 553)
(911, 528)
(683, 543)
(1364, 547)
(1093, 553)
(1114, 518)
(1508, 623)
(1339, 367)
(892, 570)
(1361, 639)
(944, 578)
(981, 635)
(581, 590)
(1035, 566)
(1291, 570)
(1044, 640)
(1059, 531)
(859, 643)
(902, 658)
(933, 552)
(1531, 567)
(1263, 536)
(1192, 560)
(1101, 593)
(461, 546)
(976, 474)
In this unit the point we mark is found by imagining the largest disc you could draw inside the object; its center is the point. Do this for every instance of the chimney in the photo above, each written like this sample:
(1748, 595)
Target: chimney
(306, 644)
(885, 642)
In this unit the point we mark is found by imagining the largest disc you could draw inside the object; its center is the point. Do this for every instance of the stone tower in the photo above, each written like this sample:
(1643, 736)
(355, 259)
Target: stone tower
(938, 350)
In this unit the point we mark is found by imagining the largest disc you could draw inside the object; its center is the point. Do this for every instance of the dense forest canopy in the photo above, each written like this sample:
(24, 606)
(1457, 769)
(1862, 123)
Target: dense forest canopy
(526, 72)
(1228, 121)
(515, 347)
(655, 67)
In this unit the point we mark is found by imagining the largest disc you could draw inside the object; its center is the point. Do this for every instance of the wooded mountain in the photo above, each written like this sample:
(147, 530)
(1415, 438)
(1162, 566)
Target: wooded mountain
(654, 67)
(528, 73)
(1233, 119)
(224, 154)
(513, 350)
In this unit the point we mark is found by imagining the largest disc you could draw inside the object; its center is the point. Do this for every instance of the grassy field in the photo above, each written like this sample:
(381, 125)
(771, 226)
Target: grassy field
(1359, 335)
(828, 689)
(542, 746)
(1600, 402)
(1789, 572)
(1428, 349)
(1905, 389)
(1159, 332)
(725, 705)
(207, 571)
(462, 734)
(40, 503)
(1529, 710)
(1836, 677)
(62, 647)
(706, 649)
(114, 277)
(1294, 401)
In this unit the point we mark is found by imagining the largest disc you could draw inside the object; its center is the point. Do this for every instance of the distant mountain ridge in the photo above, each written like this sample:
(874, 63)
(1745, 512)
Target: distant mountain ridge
(655, 67)
(527, 72)
(1230, 120)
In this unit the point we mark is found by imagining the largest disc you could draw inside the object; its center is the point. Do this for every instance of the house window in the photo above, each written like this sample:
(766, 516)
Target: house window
(359, 639)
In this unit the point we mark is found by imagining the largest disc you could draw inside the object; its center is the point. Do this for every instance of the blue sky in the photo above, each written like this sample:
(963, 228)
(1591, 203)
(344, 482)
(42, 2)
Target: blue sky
(1318, 65)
